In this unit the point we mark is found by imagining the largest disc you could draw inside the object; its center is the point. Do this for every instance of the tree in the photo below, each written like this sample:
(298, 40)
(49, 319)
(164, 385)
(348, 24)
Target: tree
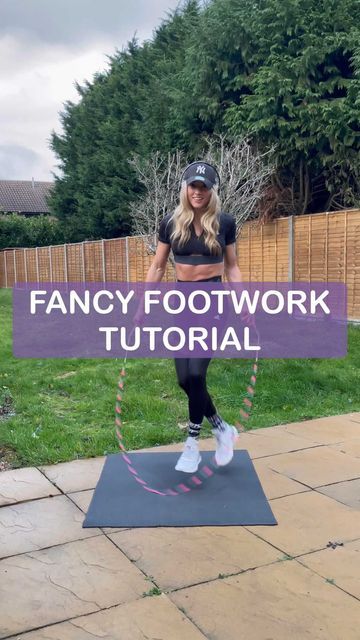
(284, 72)
(91, 197)
(160, 178)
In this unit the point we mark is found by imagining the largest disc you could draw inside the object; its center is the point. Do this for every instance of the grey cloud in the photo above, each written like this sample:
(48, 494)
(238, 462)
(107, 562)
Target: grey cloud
(74, 22)
(17, 162)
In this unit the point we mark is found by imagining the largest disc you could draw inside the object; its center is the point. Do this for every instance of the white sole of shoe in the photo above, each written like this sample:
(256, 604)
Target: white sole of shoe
(187, 470)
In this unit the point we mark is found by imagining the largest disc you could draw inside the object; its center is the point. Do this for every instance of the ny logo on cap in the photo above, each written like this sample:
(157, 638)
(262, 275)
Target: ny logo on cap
(200, 169)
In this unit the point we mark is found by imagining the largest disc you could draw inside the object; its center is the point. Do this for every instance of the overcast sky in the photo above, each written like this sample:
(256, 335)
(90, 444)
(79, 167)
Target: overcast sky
(45, 45)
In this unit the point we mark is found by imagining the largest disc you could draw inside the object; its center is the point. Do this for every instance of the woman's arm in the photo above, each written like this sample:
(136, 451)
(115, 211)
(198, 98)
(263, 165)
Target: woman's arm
(232, 271)
(158, 265)
(154, 274)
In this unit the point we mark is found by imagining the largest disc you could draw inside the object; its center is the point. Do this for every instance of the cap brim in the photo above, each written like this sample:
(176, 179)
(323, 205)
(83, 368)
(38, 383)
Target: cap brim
(207, 182)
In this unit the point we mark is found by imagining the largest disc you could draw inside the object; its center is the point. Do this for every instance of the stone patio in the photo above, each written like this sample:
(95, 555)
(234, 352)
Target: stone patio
(59, 581)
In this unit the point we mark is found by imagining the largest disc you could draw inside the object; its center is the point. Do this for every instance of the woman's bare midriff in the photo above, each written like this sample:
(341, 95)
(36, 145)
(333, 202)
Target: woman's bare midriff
(199, 271)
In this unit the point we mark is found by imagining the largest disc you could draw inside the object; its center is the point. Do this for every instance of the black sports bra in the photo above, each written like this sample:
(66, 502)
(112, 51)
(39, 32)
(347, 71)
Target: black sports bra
(195, 251)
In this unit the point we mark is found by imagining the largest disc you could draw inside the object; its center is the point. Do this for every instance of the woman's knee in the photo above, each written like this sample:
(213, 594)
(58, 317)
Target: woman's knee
(191, 381)
(196, 380)
(182, 372)
(191, 374)
(182, 382)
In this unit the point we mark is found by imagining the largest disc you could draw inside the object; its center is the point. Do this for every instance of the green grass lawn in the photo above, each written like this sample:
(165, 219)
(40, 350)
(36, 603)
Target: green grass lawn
(64, 409)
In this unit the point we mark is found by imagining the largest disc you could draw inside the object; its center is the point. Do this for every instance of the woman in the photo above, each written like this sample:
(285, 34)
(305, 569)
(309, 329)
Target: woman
(203, 242)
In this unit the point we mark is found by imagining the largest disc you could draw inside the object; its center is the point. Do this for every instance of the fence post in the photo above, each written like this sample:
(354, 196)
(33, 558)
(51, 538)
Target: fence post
(25, 266)
(345, 246)
(65, 264)
(103, 259)
(5, 264)
(83, 260)
(15, 274)
(291, 248)
(127, 257)
(50, 264)
(37, 263)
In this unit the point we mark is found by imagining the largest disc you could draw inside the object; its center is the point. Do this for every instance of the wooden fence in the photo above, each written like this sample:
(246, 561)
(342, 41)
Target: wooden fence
(323, 247)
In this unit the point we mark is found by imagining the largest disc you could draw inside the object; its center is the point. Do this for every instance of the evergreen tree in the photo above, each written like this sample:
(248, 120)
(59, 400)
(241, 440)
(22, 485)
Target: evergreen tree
(284, 72)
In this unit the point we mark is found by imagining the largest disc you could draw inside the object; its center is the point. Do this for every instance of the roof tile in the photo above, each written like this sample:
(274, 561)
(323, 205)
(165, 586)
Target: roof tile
(21, 196)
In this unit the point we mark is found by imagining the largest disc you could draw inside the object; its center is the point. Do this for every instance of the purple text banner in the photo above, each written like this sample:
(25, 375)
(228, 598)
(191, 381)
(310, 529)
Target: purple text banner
(179, 320)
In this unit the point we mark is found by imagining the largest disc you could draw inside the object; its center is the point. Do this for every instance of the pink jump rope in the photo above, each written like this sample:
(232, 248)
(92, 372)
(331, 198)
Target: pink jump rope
(205, 471)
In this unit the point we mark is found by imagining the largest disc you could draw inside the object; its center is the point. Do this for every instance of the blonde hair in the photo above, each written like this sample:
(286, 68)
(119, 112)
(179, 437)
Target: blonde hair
(183, 217)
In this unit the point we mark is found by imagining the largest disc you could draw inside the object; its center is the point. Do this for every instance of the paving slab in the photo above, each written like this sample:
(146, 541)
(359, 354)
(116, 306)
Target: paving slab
(340, 564)
(152, 618)
(316, 467)
(18, 485)
(76, 475)
(346, 492)
(82, 499)
(307, 522)
(350, 447)
(277, 602)
(65, 581)
(41, 523)
(329, 430)
(272, 441)
(275, 484)
(177, 557)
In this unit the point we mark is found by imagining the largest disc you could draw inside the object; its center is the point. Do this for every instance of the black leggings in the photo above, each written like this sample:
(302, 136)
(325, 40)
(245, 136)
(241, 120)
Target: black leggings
(191, 374)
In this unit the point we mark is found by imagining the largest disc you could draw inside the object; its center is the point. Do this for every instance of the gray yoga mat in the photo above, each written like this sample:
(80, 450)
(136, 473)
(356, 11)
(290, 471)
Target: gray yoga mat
(232, 496)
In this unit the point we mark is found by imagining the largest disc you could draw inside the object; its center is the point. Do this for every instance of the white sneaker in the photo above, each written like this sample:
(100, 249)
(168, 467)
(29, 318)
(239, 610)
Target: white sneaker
(190, 457)
(225, 441)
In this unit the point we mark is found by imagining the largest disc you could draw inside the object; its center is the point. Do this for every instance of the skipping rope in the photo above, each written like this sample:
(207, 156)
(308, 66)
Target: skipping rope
(205, 471)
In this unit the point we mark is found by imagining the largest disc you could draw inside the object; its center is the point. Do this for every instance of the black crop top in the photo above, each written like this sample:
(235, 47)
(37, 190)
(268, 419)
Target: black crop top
(196, 244)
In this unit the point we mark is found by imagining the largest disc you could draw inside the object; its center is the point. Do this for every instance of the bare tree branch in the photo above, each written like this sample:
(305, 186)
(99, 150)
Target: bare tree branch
(160, 178)
(245, 174)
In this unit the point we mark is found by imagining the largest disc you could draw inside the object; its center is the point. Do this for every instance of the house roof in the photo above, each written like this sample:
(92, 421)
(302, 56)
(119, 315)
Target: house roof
(24, 196)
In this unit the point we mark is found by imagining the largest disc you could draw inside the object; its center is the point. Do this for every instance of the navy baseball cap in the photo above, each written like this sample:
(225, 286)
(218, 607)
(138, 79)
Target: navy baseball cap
(201, 171)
